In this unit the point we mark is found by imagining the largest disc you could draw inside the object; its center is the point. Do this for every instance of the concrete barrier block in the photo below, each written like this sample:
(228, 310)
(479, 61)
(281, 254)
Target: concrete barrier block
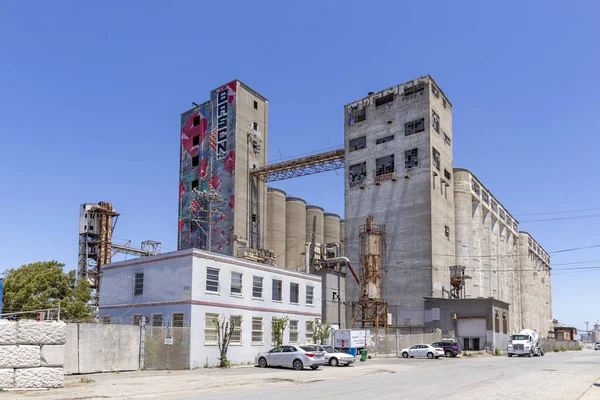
(15, 356)
(7, 378)
(44, 377)
(46, 332)
(8, 332)
(53, 355)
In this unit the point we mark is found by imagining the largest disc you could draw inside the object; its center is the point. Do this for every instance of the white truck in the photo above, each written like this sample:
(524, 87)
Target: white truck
(345, 338)
(525, 343)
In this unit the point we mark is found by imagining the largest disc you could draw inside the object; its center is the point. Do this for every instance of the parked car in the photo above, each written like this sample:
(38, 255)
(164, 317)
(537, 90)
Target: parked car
(334, 357)
(597, 347)
(451, 349)
(296, 357)
(423, 350)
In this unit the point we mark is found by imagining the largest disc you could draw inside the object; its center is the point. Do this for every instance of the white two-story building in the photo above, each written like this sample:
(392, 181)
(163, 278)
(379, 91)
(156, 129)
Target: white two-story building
(190, 288)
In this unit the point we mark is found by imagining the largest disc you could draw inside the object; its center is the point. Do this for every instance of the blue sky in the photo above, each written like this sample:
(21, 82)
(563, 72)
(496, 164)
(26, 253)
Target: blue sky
(90, 97)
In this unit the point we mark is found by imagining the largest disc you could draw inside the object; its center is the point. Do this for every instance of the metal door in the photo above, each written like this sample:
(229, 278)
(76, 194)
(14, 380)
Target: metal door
(166, 347)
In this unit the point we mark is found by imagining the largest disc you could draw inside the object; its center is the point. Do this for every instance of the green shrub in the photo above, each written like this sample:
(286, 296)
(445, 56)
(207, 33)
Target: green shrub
(562, 348)
(496, 351)
(556, 349)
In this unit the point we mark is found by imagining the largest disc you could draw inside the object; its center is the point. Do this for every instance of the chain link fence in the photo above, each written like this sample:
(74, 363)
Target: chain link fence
(387, 345)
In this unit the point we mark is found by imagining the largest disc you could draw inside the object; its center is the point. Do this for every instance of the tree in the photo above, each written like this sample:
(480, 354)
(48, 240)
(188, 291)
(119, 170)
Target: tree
(321, 331)
(43, 285)
(225, 328)
(278, 326)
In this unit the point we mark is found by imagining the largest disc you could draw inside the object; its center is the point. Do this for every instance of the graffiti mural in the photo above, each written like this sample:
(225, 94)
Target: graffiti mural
(207, 167)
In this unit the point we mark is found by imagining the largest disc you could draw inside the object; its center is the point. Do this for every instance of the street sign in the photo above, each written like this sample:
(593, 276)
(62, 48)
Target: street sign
(169, 340)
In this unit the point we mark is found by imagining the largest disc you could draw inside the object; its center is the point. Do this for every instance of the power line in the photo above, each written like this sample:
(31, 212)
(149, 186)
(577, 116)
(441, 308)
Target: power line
(562, 212)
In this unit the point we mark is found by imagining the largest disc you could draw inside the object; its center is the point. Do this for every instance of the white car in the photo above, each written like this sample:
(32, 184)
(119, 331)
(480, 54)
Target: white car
(334, 357)
(597, 347)
(293, 356)
(423, 350)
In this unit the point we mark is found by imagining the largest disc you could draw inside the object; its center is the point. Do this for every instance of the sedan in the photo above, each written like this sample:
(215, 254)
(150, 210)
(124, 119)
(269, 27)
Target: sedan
(597, 347)
(423, 350)
(334, 357)
(296, 357)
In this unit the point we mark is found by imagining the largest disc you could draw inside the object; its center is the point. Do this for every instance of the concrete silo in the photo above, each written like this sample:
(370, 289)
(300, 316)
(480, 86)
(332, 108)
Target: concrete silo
(331, 228)
(315, 211)
(276, 216)
(295, 232)
(343, 237)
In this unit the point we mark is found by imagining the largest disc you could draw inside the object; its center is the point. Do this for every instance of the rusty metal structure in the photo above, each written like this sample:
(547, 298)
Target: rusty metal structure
(457, 281)
(96, 225)
(313, 164)
(371, 310)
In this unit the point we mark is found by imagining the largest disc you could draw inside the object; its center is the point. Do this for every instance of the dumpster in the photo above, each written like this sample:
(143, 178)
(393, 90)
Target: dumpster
(352, 351)
(363, 355)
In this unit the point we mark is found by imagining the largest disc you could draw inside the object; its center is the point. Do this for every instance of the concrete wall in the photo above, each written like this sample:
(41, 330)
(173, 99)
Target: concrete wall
(333, 295)
(93, 348)
(32, 354)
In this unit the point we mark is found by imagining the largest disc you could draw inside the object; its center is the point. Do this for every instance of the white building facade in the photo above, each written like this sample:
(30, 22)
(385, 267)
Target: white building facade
(190, 288)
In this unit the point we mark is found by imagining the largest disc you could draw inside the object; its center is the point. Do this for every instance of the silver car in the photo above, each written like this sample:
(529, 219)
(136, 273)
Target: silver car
(291, 356)
(334, 357)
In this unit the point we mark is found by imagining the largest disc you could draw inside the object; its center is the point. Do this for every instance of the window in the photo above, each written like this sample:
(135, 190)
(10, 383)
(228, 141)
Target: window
(357, 115)
(435, 120)
(502, 214)
(196, 120)
(414, 89)
(236, 283)
(494, 206)
(294, 293)
(196, 140)
(277, 286)
(485, 196)
(496, 322)
(475, 186)
(411, 158)
(195, 183)
(384, 165)
(414, 127)
(309, 294)
(309, 332)
(447, 231)
(137, 319)
(157, 320)
(255, 126)
(515, 226)
(236, 335)
(447, 139)
(504, 323)
(447, 175)
(138, 284)
(436, 158)
(210, 328)
(195, 161)
(385, 139)
(255, 105)
(435, 91)
(106, 319)
(293, 331)
(358, 173)
(212, 280)
(357, 144)
(177, 320)
(388, 98)
(257, 330)
(444, 102)
(257, 287)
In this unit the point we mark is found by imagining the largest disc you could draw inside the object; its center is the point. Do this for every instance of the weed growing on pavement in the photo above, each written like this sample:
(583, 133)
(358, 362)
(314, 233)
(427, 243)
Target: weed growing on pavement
(496, 351)
(556, 349)
(562, 348)
(86, 380)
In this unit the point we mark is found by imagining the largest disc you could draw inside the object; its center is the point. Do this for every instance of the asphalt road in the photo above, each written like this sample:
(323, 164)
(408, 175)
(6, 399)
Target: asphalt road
(561, 376)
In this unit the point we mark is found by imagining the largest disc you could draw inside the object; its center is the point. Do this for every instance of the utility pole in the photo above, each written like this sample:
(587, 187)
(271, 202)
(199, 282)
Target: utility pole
(587, 332)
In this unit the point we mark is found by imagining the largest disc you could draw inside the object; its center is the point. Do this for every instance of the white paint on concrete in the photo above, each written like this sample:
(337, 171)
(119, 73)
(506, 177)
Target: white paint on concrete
(8, 332)
(7, 377)
(34, 332)
(14, 356)
(45, 377)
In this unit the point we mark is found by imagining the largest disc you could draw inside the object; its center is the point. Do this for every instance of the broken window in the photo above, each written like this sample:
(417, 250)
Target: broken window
(447, 139)
(196, 120)
(494, 206)
(414, 127)
(388, 98)
(436, 158)
(358, 173)
(385, 139)
(357, 115)
(357, 144)
(447, 175)
(475, 186)
(411, 158)
(195, 161)
(413, 88)
(384, 165)
(435, 91)
(447, 231)
(255, 126)
(485, 196)
(196, 140)
(435, 120)
(255, 105)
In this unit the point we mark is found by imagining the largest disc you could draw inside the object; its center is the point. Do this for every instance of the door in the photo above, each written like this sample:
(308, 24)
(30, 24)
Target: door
(467, 345)
(288, 356)
(415, 351)
(274, 356)
(476, 344)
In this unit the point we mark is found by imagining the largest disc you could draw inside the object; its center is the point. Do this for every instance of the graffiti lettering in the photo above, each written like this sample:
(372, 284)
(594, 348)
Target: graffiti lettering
(222, 110)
